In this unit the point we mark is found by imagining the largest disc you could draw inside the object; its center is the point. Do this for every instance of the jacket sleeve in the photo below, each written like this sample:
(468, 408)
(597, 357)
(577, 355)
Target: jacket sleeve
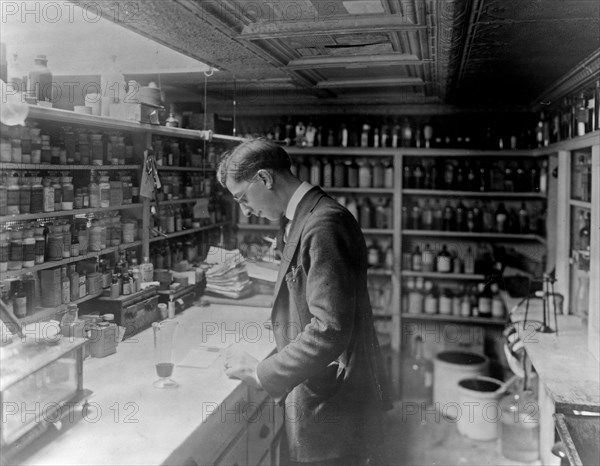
(329, 255)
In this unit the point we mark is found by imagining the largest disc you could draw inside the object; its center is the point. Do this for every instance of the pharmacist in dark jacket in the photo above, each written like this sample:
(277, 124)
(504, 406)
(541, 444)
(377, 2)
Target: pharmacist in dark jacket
(328, 370)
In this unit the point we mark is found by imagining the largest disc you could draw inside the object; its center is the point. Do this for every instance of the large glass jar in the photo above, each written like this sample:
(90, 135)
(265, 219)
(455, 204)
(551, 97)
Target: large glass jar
(55, 244)
(40, 79)
(95, 237)
(104, 188)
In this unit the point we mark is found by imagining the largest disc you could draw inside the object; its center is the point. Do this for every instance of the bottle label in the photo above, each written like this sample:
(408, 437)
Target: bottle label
(444, 264)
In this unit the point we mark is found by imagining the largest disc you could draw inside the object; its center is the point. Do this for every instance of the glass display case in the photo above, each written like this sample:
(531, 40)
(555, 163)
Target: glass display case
(41, 383)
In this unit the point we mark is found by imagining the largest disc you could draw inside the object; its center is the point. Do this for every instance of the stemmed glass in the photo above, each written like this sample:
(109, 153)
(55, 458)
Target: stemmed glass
(164, 333)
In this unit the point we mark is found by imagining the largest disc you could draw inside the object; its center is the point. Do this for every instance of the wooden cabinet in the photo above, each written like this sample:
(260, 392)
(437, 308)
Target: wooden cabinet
(578, 241)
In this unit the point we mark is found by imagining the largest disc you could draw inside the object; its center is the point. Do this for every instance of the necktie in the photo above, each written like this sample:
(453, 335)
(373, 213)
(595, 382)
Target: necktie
(281, 234)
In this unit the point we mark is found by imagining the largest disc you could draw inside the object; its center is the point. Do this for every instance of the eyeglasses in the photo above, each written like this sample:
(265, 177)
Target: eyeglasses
(241, 199)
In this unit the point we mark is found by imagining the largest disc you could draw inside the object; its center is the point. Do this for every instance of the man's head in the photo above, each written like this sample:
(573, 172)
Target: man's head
(257, 174)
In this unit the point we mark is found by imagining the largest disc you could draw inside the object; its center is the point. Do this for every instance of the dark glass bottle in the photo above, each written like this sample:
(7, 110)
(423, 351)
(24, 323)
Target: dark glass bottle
(418, 175)
(438, 217)
(461, 218)
(449, 176)
(523, 219)
(449, 218)
(415, 217)
(501, 218)
(407, 181)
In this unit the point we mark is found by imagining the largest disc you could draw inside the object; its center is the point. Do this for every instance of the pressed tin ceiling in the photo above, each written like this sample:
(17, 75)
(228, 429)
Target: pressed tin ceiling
(385, 55)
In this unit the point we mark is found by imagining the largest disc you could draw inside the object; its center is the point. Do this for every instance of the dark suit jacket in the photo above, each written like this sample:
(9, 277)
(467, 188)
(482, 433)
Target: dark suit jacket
(328, 368)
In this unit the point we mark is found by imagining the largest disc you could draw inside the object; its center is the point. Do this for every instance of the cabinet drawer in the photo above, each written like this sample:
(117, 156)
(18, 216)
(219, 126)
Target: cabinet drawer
(236, 453)
(260, 432)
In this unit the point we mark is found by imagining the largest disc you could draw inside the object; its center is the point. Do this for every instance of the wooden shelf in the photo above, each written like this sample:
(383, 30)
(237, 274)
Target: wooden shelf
(66, 213)
(43, 314)
(68, 167)
(455, 319)
(167, 168)
(475, 235)
(360, 190)
(66, 261)
(580, 204)
(446, 152)
(441, 275)
(191, 231)
(377, 231)
(476, 194)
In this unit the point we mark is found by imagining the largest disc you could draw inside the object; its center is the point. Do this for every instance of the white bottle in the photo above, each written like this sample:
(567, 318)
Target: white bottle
(147, 271)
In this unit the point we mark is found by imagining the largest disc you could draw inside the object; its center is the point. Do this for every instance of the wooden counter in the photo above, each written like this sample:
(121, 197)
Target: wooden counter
(131, 423)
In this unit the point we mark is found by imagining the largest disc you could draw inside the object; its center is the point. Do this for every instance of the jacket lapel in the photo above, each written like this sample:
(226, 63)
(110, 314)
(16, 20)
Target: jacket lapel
(304, 209)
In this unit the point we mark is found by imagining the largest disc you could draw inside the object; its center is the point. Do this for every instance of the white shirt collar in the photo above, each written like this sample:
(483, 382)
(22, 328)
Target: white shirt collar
(300, 192)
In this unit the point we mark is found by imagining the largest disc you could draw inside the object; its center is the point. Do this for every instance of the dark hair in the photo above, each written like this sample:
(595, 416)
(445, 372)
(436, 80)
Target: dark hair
(244, 161)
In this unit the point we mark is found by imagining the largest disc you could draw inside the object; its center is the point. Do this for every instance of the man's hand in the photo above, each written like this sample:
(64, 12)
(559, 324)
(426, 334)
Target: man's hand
(240, 365)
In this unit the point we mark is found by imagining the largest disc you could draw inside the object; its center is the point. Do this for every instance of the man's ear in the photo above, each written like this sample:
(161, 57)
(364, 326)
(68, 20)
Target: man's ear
(266, 177)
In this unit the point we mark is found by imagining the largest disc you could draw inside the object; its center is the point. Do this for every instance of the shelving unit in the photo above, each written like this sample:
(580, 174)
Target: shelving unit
(141, 138)
(474, 194)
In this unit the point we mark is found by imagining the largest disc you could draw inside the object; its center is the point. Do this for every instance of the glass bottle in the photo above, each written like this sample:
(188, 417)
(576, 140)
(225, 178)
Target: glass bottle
(430, 302)
(389, 174)
(484, 300)
(57, 193)
(13, 195)
(352, 172)
(428, 259)
(74, 283)
(427, 216)
(417, 260)
(68, 195)
(15, 253)
(25, 194)
(501, 217)
(444, 261)
(417, 375)
(469, 262)
(103, 190)
(66, 286)
(315, 171)
(415, 217)
(365, 175)
(327, 173)
(448, 219)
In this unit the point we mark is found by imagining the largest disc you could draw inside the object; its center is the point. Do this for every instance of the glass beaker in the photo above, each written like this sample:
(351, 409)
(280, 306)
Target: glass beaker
(164, 333)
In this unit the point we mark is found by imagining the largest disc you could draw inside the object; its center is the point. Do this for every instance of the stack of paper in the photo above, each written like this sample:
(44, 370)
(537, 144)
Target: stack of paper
(227, 276)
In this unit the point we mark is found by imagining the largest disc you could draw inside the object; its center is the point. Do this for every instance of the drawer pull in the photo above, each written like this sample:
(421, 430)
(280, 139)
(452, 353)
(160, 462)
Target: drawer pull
(264, 431)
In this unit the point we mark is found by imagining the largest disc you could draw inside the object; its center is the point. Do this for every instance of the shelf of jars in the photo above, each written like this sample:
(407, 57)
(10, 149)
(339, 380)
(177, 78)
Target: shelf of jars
(455, 319)
(190, 231)
(43, 314)
(64, 167)
(65, 213)
(474, 194)
(443, 275)
(69, 260)
(476, 235)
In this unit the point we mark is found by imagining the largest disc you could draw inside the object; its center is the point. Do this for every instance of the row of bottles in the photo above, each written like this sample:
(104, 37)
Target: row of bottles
(166, 254)
(481, 175)
(425, 297)
(436, 257)
(370, 212)
(69, 145)
(380, 254)
(351, 172)
(466, 132)
(25, 245)
(576, 115)
(48, 191)
(177, 185)
(474, 216)
(173, 152)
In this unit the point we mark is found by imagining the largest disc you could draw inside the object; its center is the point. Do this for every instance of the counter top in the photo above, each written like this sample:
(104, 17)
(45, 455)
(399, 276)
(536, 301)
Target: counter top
(132, 423)
(569, 372)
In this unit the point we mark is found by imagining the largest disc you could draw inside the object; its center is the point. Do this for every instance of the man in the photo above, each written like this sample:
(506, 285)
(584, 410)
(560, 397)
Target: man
(328, 369)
